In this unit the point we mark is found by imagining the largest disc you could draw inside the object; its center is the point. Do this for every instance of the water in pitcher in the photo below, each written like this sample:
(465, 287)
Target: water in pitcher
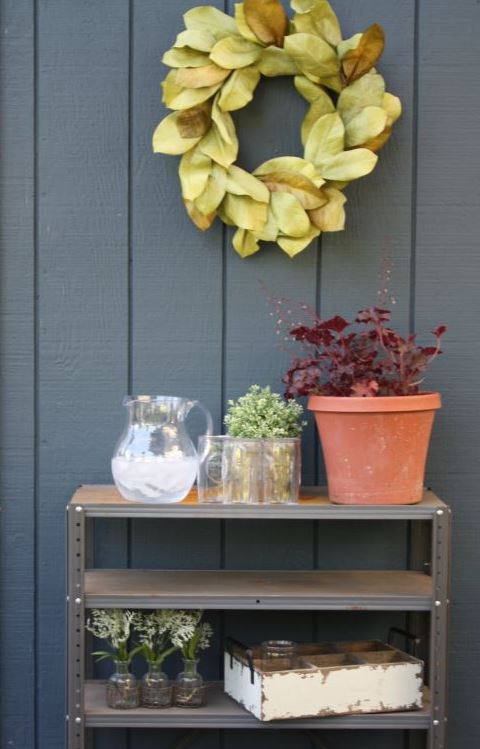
(154, 479)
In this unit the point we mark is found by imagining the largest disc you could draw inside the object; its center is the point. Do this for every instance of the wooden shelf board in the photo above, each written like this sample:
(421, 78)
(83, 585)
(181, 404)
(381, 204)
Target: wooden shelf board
(102, 501)
(234, 589)
(223, 712)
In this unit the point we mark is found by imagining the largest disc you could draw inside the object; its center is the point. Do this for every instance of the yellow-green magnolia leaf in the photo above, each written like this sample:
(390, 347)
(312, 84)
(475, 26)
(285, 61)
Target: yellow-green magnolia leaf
(199, 219)
(194, 170)
(393, 107)
(240, 182)
(275, 61)
(245, 212)
(349, 165)
(331, 216)
(307, 88)
(184, 57)
(375, 144)
(167, 138)
(322, 105)
(267, 19)
(207, 18)
(367, 91)
(209, 75)
(196, 121)
(293, 164)
(177, 97)
(326, 139)
(309, 195)
(201, 40)
(224, 122)
(269, 232)
(214, 192)
(313, 56)
(291, 217)
(348, 44)
(360, 60)
(234, 52)
(242, 24)
(369, 123)
(319, 19)
(213, 145)
(238, 91)
(245, 243)
(293, 246)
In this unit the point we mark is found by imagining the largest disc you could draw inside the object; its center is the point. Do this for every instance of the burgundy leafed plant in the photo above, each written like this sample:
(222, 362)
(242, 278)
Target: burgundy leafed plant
(364, 358)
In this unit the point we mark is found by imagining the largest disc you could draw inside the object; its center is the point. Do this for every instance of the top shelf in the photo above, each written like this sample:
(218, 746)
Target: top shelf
(105, 501)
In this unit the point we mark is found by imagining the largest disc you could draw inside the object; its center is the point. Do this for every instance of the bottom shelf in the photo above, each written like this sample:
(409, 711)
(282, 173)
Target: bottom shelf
(223, 712)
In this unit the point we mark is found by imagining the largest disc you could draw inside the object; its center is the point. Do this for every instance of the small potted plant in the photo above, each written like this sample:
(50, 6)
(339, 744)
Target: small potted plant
(114, 626)
(364, 384)
(274, 425)
(153, 631)
(189, 634)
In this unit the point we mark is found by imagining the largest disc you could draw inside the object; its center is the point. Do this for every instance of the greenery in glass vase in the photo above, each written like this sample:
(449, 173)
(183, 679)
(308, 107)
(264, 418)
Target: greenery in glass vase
(263, 414)
(189, 634)
(113, 626)
(153, 633)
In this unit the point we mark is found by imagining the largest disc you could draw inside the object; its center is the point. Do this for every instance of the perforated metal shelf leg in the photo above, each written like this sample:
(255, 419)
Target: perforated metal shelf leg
(75, 729)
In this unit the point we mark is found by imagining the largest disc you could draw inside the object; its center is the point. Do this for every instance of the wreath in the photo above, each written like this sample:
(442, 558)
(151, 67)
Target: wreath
(217, 64)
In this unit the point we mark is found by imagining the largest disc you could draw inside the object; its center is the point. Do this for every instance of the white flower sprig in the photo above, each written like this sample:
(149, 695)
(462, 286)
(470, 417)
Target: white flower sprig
(154, 633)
(188, 634)
(114, 626)
(263, 414)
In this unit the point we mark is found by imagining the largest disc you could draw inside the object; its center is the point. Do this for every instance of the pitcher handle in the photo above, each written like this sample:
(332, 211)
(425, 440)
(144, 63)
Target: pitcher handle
(206, 413)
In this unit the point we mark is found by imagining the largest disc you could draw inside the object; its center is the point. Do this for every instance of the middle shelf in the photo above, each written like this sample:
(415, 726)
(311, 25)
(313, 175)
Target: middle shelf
(371, 590)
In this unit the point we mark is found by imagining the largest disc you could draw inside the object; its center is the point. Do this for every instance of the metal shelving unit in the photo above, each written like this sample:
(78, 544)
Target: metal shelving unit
(424, 587)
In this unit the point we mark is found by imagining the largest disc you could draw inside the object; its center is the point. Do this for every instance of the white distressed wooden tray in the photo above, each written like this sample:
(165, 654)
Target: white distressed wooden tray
(327, 679)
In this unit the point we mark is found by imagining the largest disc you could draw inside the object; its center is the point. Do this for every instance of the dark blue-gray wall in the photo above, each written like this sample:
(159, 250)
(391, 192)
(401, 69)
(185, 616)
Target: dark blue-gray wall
(107, 288)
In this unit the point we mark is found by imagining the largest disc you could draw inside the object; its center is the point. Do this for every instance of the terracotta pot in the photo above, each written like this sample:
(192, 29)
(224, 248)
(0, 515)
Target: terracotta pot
(375, 449)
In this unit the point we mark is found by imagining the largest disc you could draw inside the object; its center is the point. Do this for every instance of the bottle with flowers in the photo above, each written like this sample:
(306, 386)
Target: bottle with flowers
(190, 635)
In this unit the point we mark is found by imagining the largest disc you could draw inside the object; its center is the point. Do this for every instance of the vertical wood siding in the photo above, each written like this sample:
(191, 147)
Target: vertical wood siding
(107, 288)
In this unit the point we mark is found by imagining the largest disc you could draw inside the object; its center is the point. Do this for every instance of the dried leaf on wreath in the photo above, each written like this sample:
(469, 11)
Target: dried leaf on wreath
(214, 192)
(242, 24)
(267, 19)
(245, 212)
(291, 217)
(167, 138)
(347, 44)
(184, 57)
(292, 246)
(293, 164)
(240, 182)
(238, 91)
(313, 56)
(194, 170)
(326, 139)
(269, 232)
(213, 145)
(307, 88)
(201, 221)
(201, 40)
(177, 97)
(367, 91)
(245, 242)
(375, 144)
(209, 75)
(303, 189)
(393, 107)
(196, 121)
(356, 62)
(234, 52)
(275, 61)
(207, 18)
(331, 216)
(349, 165)
(367, 124)
(321, 106)
(319, 18)
(224, 122)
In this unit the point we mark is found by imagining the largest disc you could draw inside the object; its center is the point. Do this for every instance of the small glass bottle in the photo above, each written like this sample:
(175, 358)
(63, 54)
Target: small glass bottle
(156, 690)
(122, 688)
(189, 686)
(278, 655)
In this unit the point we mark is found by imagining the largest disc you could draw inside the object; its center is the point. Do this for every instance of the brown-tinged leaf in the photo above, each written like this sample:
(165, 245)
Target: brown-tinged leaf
(245, 242)
(196, 121)
(209, 75)
(167, 138)
(331, 216)
(301, 187)
(267, 19)
(242, 24)
(375, 144)
(199, 219)
(293, 164)
(356, 62)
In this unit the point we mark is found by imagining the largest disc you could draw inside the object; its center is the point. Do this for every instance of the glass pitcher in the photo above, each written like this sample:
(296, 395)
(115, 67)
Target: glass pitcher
(155, 459)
